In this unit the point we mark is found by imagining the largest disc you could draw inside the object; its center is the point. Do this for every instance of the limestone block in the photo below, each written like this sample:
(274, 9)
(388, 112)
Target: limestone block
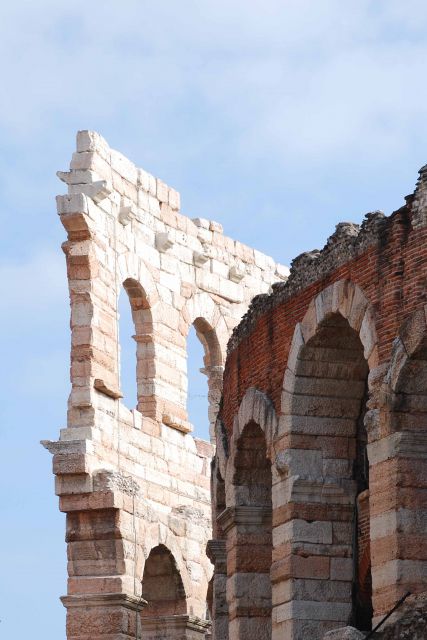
(297, 461)
(344, 633)
(89, 160)
(92, 141)
(282, 271)
(73, 203)
(201, 222)
(303, 531)
(341, 569)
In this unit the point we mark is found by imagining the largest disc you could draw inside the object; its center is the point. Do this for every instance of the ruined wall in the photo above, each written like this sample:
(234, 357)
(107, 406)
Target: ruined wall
(332, 368)
(135, 483)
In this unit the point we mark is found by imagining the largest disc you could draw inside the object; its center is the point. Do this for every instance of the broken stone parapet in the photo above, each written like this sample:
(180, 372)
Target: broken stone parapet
(135, 484)
(347, 242)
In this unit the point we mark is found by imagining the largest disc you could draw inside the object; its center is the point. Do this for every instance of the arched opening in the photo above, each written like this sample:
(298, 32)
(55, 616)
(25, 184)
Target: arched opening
(252, 476)
(137, 362)
(203, 399)
(249, 544)
(128, 385)
(327, 460)
(406, 471)
(162, 585)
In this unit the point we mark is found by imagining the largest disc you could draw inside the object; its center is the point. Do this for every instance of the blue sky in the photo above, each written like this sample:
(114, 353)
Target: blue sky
(276, 118)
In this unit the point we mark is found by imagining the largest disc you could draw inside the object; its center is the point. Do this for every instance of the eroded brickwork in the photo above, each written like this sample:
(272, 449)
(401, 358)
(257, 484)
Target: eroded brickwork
(326, 377)
(135, 484)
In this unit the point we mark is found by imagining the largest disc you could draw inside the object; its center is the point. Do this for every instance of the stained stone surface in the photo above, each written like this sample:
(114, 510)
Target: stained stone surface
(345, 633)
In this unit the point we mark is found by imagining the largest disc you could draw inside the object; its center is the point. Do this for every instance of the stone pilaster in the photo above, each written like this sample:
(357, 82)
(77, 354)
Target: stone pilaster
(248, 534)
(217, 553)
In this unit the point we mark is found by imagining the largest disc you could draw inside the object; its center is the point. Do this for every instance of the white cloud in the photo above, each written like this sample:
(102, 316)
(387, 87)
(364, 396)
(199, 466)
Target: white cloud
(295, 77)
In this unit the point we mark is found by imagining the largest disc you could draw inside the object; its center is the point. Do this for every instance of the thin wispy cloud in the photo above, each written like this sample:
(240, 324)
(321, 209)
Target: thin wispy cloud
(277, 118)
(305, 78)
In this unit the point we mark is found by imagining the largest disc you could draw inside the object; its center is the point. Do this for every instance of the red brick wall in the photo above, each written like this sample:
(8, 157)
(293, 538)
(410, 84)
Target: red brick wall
(392, 276)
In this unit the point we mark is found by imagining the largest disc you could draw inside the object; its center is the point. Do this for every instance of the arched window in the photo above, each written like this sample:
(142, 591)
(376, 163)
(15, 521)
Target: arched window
(128, 384)
(204, 360)
(137, 357)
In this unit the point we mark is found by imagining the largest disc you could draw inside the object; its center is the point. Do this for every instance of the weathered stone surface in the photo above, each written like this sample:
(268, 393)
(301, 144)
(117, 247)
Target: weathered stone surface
(345, 633)
(135, 484)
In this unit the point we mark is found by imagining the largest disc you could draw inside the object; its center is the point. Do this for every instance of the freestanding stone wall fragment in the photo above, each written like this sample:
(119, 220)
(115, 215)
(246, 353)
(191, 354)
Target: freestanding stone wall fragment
(135, 484)
(321, 456)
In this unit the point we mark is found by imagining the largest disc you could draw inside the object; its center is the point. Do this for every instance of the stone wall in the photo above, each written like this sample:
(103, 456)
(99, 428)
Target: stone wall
(331, 367)
(135, 484)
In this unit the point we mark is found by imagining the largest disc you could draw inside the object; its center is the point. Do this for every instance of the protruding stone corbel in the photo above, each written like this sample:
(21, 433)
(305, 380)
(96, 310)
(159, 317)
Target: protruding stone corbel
(235, 274)
(163, 241)
(176, 423)
(106, 389)
(98, 190)
(199, 259)
(127, 211)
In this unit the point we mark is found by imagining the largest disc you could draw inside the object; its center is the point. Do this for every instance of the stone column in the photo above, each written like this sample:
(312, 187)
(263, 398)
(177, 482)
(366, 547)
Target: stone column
(216, 551)
(214, 374)
(248, 531)
(398, 511)
(312, 569)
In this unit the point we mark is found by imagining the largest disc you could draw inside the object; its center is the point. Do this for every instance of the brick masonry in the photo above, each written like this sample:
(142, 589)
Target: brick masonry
(332, 367)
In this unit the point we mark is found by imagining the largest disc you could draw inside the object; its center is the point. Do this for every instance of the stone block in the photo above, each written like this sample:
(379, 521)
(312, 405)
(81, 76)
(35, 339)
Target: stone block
(344, 633)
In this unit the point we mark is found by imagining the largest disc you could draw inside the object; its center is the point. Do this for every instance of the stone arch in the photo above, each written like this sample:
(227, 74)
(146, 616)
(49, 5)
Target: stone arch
(162, 585)
(130, 266)
(398, 459)
(247, 520)
(348, 300)
(201, 312)
(321, 457)
(257, 407)
(160, 535)
(142, 329)
(141, 290)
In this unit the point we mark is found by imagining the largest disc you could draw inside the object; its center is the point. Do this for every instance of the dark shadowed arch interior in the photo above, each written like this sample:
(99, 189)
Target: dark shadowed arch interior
(252, 475)
(328, 406)
(410, 392)
(162, 585)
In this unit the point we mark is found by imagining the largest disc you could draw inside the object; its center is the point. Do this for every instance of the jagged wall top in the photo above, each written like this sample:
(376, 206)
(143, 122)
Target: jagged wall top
(347, 242)
(125, 230)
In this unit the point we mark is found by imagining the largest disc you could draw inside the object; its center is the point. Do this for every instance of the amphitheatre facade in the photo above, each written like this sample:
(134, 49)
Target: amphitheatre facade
(308, 511)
